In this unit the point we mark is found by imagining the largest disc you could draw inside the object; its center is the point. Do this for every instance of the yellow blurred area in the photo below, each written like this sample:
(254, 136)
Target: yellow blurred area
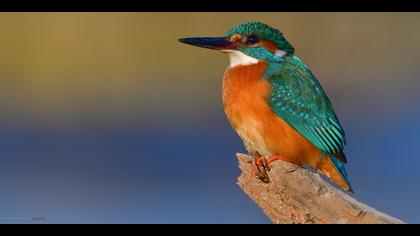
(70, 67)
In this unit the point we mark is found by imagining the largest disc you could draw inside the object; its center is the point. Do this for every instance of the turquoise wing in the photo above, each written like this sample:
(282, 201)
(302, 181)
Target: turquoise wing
(298, 98)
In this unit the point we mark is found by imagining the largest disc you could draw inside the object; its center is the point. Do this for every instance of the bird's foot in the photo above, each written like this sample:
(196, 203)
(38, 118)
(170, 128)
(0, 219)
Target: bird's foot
(260, 168)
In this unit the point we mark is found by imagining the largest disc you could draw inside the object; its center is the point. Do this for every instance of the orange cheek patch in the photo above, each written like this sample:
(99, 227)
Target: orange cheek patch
(270, 46)
(235, 38)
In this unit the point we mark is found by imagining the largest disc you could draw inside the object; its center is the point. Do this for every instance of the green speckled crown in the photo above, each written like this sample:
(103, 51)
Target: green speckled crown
(265, 32)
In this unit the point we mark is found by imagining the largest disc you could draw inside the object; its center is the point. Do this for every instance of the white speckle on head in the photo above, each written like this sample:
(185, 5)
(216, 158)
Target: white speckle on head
(239, 58)
(280, 53)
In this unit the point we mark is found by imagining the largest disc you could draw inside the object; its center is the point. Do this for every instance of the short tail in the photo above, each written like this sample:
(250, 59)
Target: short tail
(334, 169)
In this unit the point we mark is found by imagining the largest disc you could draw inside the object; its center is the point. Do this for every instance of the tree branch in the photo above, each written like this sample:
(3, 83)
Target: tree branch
(296, 195)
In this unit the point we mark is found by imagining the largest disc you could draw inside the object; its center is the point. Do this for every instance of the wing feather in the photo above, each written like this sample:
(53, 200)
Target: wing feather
(298, 98)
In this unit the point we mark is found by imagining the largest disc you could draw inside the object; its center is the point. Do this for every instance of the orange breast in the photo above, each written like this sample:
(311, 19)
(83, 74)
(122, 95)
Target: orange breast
(245, 101)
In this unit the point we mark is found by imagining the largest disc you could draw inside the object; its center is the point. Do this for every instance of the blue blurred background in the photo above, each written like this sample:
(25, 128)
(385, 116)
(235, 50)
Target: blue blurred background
(106, 118)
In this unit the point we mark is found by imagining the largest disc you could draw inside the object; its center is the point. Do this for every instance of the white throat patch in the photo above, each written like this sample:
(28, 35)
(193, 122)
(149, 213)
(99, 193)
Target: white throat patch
(237, 58)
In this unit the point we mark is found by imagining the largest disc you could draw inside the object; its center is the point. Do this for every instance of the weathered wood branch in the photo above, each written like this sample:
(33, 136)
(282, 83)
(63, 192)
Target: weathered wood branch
(296, 195)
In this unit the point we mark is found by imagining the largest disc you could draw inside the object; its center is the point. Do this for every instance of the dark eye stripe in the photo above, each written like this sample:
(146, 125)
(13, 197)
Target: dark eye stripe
(251, 39)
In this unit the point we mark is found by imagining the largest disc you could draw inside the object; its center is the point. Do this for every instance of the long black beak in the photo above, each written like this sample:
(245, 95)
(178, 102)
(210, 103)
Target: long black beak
(218, 43)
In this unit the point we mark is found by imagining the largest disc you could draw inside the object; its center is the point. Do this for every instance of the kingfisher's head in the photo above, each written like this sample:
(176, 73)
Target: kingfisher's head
(247, 43)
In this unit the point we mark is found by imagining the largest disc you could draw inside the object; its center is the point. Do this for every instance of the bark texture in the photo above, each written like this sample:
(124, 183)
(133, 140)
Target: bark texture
(296, 195)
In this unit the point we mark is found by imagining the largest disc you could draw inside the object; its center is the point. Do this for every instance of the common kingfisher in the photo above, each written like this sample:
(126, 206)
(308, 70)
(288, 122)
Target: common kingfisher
(275, 103)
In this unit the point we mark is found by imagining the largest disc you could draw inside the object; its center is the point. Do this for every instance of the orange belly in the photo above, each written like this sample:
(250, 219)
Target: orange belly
(245, 101)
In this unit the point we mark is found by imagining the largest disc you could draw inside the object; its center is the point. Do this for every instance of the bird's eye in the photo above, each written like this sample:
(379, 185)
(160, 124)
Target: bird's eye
(251, 39)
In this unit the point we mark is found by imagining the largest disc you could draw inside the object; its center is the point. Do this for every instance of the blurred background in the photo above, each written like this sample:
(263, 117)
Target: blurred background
(107, 118)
